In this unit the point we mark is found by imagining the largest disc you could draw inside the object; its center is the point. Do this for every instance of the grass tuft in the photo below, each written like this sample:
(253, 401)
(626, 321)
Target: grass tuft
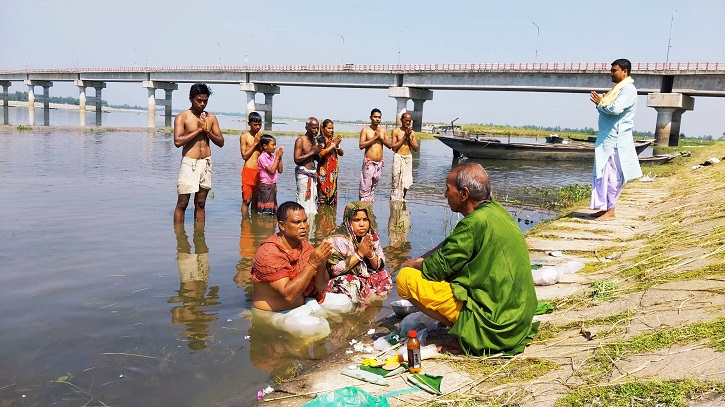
(549, 330)
(674, 393)
(602, 290)
(503, 371)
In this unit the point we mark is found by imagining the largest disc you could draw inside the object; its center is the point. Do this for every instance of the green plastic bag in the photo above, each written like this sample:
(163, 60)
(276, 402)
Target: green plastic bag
(350, 396)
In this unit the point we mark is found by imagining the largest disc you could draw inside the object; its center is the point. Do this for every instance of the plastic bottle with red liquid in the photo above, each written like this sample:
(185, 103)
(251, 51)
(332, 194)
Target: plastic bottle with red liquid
(413, 345)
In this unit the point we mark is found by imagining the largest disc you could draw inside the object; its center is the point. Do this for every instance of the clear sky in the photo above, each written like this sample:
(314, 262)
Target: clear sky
(92, 33)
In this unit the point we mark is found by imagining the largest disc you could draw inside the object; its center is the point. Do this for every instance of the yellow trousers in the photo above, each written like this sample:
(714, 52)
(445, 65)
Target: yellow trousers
(434, 295)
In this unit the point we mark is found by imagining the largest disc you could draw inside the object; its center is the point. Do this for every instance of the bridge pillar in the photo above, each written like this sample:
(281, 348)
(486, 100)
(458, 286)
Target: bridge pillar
(402, 94)
(167, 107)
(250, 107)
(401, 106)
(5, 85)
(45, 99)
(669, 107)
(251, 89)
(97, 100)
(168, 87)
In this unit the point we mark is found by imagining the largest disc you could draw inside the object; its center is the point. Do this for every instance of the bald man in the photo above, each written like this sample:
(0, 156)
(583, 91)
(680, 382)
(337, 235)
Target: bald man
(404, 142)
(478, 280)
(307, 155)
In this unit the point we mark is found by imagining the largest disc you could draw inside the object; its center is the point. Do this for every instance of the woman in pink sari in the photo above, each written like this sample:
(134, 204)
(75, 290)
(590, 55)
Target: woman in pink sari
(357, 263)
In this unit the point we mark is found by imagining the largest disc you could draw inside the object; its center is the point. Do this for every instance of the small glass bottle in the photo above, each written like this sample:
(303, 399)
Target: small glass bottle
(414, 365)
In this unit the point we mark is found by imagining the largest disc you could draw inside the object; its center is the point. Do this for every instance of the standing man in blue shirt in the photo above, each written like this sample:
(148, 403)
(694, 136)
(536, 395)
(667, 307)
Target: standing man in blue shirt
(615, 159)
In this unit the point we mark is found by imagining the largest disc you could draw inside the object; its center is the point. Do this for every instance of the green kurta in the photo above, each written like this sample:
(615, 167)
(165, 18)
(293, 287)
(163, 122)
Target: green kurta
(487, 263)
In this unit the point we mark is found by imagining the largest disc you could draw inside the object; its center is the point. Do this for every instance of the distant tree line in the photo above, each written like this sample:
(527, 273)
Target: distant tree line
(588, 130)
(23, 97)
(708, 137)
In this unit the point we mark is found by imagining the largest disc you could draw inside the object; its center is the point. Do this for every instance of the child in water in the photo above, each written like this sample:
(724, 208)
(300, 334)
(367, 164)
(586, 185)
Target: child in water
(270, 164)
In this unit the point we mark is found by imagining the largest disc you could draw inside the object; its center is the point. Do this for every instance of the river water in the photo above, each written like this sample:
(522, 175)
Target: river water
(97, 304)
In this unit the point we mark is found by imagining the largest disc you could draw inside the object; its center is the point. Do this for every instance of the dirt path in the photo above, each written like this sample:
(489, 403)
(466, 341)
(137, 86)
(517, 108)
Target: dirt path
(645, 307)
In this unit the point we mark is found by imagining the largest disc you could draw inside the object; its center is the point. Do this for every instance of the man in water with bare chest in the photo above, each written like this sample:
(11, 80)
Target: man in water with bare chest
(404, 142)
(372, 140)
(193, 129)
(249, 147)
(306, 156)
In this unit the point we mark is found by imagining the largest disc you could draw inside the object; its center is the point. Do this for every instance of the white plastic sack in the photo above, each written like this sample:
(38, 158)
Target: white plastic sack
(549, 275)
(417, 321)
(381, 343)
(546, 275)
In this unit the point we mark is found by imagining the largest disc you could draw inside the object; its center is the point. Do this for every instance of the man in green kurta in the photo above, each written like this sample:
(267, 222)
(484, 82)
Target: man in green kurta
(478, 280)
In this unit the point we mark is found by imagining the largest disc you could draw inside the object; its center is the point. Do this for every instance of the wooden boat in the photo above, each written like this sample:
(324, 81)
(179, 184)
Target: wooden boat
(554, 139)
(488, 148)
(662, 158)
(656, 159)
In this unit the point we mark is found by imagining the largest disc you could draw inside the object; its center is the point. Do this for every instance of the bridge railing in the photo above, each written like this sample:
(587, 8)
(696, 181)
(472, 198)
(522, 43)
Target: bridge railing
(566, 67)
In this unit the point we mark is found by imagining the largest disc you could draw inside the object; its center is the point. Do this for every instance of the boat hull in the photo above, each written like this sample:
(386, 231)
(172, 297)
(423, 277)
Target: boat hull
(573, 151)
(662, 158)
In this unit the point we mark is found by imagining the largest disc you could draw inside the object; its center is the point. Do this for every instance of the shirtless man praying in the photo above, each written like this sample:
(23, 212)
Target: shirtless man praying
(306, 156)
(372, 140)
(193, 129)
(404, 141)
(249, 147)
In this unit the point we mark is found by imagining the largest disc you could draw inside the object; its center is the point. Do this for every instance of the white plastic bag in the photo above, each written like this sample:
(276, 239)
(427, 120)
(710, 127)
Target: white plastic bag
(426, 352)
(381, 343)
(417, 321)
(549, 275)
(546, 275)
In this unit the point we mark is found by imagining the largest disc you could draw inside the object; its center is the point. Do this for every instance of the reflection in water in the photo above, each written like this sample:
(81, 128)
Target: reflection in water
(247, 247)
(527, 216)
(253, 231)
(285, 355)
(192, 293)
(280, 352)
(325, 221)
(352, 324)
(398, 226)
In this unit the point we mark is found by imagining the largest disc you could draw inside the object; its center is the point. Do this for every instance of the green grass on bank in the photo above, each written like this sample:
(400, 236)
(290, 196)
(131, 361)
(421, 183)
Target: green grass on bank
(601, 365)
(502, 371)
(524, 132)
(548, 330)
(672, 393)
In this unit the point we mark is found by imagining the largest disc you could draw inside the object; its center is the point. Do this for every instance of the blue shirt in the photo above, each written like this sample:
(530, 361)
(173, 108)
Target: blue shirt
(615, 131)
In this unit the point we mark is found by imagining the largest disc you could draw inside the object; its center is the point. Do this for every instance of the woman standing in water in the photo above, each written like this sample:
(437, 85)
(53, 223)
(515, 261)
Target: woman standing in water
(327, 168)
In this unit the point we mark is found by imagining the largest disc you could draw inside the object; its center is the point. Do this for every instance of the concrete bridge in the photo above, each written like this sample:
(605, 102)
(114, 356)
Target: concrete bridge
(670, 88)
